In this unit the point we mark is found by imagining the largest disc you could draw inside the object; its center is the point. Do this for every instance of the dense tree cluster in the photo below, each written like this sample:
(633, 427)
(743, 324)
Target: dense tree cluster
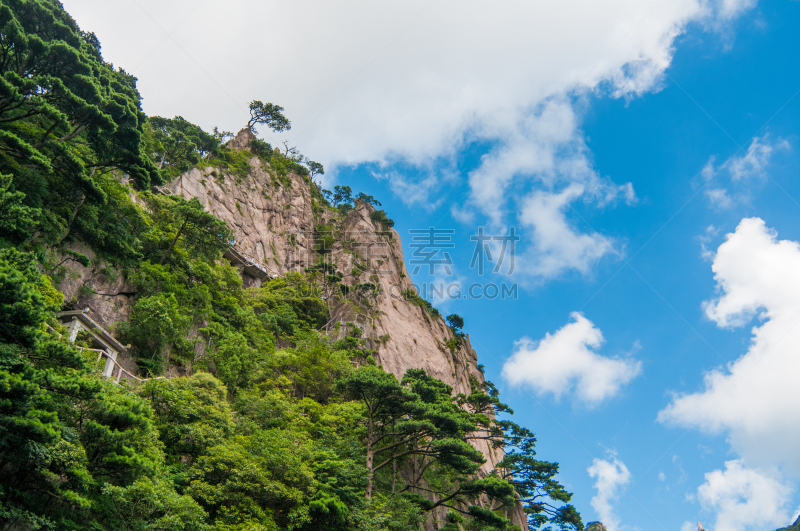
(66, 117)
(276, 428)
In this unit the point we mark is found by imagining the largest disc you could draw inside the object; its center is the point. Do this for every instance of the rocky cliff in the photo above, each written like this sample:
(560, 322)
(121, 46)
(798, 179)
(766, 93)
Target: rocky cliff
(280, 226)
(276, 227)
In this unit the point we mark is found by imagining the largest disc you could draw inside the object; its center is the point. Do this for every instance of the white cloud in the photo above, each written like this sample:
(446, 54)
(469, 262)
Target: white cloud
(566, 362)
(704, 239)
(362, 81)
(544, 146)
(732, 8)
(411, 191)
(744, 498)
(719, 198)
(547, 153)
(745, 172)
(754, 399)
(558, 246)
(611, 476)
(409, 81)
(752, 164)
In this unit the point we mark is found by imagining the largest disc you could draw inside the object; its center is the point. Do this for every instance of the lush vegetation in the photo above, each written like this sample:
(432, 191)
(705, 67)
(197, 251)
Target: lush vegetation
(277, 422)
(794, 527)
(268, 438)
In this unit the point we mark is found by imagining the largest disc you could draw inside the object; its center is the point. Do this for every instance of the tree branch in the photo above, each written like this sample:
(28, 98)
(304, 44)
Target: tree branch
(78, 130)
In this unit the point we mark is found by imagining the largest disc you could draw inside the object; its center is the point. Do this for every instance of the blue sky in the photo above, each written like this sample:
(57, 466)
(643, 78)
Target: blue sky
(624, 142)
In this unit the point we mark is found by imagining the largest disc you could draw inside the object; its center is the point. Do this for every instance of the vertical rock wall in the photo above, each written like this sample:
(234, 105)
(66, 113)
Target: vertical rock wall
(277, 226)
(274, 222)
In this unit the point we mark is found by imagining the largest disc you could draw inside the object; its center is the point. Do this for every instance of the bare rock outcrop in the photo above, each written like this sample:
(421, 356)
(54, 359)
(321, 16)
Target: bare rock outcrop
(280, 227)
(277, 223)
(99, 288)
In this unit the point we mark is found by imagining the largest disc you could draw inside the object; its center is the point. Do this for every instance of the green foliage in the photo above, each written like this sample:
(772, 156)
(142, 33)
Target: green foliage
(235, 360)
(191, 414)
(22, 304)
(234, 161)
(206, 235)
(283, 165)
(323, 239)
(268, 114)
(151, 504)
(291, 302)
(455, 321)
(793, 527)
(64, 433)
(261, 149)
(380, 217)
(454, 343)
(342, 195)
(535, 482)
(269, 443)
(114, 230)
(80, 258)
(16, 220)
(155, 324)
(314, 168)
(313, 367)
(68, 119)
(411, 296)
(177, 145)
(418, 426)
(368, 199)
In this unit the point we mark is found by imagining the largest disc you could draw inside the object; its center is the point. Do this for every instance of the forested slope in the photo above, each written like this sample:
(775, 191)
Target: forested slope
(276, 412)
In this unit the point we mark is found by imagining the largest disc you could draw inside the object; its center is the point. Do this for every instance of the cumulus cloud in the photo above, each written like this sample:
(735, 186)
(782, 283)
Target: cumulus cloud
(744, 172)
(552, 155)
(755, 399)
(566, 362)
(612, 475)
(744, 498)
(362, 81)
(558, 246)
(410, 81)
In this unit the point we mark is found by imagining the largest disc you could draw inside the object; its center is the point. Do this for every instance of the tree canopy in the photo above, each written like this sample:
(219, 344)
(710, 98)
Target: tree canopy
(268, 114)
(67, 119)
(177, 144)
(455, 321)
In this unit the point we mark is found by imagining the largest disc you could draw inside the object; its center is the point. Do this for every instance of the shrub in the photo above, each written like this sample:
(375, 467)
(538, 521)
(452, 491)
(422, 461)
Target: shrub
(411, 296)
(379, 217)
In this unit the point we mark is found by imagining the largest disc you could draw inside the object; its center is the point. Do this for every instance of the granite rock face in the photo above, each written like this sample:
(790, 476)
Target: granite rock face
(275, 223)
(98, 288)
(279, 229)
